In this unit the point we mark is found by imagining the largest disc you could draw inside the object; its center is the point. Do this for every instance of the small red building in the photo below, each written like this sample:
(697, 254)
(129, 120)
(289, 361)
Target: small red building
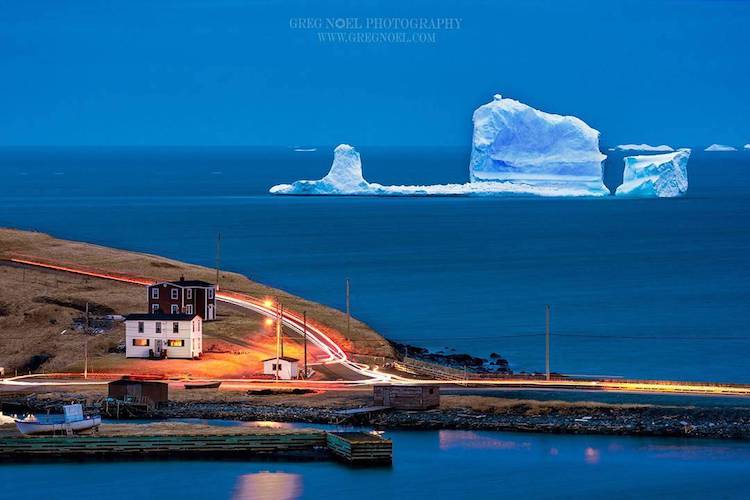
(183, 297)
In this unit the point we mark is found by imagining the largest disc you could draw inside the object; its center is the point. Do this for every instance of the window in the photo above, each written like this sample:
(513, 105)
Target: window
(175, 343)
(175, 327)
(154, 308)
(175, 309)
(154, 293)
(210, 293)
(158, 327)
(140, 342)
(175, 294)
(189, 308)
(140, 327)
(189, 293)
(275, 367)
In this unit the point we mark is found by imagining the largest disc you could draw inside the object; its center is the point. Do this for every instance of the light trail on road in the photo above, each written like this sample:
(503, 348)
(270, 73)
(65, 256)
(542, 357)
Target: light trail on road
(336, 355)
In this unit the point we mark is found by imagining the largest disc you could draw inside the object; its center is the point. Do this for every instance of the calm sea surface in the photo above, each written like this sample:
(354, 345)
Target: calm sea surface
(426, 465)
(638, 288)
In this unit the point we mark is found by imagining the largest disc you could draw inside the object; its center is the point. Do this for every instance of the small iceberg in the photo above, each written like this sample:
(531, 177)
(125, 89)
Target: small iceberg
(304, 150)
(344, 178)
(655, 176)
(747, 146)
(720, 147)
(645, 147)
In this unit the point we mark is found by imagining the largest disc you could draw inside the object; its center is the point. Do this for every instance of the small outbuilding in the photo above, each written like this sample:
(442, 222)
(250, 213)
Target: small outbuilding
(407, 397)
(286, 367)
(148, 392)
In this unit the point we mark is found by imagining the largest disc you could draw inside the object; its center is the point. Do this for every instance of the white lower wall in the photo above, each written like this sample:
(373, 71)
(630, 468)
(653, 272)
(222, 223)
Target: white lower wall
(190, 333)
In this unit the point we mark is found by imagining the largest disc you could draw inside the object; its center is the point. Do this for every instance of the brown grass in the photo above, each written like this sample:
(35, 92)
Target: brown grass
(494, 404)
(185, 429)
(38, 305)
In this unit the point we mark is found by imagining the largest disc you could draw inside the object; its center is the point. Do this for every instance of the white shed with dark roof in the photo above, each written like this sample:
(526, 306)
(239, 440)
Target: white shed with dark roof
(286, 367)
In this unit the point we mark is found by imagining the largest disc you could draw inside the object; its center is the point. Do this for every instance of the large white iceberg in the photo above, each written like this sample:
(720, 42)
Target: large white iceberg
(659, 176)
(516, 143)
(720, 147)
(345, 178)
(516, 150)
(645, 147)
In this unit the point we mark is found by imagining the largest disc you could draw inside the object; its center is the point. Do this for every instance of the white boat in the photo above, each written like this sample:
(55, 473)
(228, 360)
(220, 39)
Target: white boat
(72, 421)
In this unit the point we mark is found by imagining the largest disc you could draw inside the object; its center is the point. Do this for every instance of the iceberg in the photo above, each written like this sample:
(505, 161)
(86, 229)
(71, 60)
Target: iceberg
(657, 176)
(720, 147)
(747, 146)
(645, 147)
(346, 178)
(518, 144)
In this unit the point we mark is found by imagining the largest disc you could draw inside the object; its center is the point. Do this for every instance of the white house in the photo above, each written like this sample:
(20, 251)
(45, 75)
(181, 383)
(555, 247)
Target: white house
(163, 336)
(287, 367)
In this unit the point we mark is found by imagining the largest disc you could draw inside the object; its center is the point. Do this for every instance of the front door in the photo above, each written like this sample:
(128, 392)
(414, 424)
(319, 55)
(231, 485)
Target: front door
(158, 345)
(210, 311)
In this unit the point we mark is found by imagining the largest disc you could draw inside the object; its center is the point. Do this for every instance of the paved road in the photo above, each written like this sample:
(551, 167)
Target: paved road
(359, 374)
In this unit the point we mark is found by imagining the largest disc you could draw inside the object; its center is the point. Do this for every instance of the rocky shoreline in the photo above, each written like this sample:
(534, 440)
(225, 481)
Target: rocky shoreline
(718, 423)
(682, 422)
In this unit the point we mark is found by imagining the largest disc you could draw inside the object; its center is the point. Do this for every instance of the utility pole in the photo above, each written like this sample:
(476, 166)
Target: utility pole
(348, 312)
(281, 327)
(304, 335)
(218, 258)
(278, 338)
(547, 344)
(86, 358)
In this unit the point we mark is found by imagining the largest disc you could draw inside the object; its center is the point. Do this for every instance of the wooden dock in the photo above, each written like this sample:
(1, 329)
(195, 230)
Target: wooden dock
(360, 448)
(180, 441)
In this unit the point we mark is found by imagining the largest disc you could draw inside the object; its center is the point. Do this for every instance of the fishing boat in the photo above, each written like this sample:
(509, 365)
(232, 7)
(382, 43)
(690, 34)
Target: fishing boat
(204, 385)
(72, 421)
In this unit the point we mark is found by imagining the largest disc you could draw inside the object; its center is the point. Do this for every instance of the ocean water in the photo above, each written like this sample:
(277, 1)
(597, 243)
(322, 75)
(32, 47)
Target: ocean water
(426, 465)
(638, 288)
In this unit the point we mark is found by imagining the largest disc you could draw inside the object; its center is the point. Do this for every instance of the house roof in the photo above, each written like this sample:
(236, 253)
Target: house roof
(187, 283)
(159, 317)
(284, 358)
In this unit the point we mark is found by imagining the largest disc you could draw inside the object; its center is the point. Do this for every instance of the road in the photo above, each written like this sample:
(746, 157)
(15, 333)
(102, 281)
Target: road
(357, 374)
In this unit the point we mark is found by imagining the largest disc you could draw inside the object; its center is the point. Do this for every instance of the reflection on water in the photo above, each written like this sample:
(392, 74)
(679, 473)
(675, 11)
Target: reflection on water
(478, 440)
(591, 455)
(268, 486)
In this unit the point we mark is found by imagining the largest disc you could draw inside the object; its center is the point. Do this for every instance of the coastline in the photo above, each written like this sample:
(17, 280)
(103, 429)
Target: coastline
(470, 413)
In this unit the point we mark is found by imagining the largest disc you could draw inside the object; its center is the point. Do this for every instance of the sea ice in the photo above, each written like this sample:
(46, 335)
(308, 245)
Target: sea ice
(720, 147)
(645, 147)
(517, 144)
(659, 176)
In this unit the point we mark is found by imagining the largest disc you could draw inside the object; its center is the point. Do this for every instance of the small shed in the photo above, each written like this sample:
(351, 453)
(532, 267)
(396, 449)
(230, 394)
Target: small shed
(407, 397)
(287, 368)
(148, 392)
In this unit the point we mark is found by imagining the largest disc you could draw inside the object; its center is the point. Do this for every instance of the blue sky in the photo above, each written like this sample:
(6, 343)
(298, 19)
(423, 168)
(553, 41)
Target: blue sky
(236, 73)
